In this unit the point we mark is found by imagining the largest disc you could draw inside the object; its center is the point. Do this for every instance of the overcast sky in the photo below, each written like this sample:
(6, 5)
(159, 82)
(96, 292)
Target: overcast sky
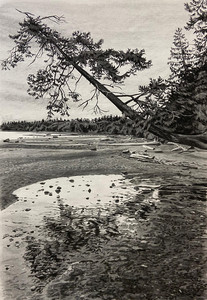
(123, 24)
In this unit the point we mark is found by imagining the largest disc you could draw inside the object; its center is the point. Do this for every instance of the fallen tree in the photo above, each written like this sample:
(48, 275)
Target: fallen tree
(67, 57)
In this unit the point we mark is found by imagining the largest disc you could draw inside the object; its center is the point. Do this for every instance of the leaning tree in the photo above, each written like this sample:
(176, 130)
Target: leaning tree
(69, 60)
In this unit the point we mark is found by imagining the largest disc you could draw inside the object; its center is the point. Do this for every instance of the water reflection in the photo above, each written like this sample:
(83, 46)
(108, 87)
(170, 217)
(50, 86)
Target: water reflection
(91, 235)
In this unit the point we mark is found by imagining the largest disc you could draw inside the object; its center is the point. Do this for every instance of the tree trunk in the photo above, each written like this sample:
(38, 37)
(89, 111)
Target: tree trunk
(107, 93)
(199, 141)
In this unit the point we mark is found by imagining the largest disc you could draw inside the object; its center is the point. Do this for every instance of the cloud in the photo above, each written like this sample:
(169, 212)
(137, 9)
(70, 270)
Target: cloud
(148, 24)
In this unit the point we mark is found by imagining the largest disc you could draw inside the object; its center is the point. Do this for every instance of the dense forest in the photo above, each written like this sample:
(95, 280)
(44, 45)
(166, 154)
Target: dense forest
(105, 124)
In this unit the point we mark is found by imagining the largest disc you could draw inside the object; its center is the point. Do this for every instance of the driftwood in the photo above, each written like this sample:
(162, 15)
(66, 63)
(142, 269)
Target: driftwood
(199, 141)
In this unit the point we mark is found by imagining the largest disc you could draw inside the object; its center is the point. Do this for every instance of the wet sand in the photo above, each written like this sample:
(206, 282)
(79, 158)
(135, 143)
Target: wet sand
(172, 264)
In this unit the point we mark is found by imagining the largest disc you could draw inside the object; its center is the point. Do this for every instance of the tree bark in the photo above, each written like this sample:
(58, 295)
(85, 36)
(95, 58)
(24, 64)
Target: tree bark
(106, 92)
(199, 141)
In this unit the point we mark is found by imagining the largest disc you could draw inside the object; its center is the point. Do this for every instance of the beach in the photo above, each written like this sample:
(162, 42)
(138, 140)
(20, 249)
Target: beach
(165, 259)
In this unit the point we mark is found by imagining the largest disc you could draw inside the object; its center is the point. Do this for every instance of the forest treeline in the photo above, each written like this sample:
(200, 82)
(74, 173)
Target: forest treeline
(172, 108)
(105, 124)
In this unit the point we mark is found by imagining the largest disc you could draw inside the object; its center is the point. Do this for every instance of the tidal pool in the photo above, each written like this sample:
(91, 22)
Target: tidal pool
(55, 222)
(82, 200)
(23, 220)
(98, 191)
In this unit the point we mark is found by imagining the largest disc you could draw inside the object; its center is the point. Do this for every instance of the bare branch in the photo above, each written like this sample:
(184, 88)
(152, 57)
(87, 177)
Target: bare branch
(55, 18)
(38, 54)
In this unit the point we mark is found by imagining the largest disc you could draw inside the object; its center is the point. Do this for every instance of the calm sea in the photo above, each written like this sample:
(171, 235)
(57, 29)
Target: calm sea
(17, 134)
(12, 135)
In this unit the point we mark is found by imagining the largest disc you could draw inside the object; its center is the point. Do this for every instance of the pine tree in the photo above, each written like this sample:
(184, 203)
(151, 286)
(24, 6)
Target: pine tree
(198, 23)
(65, 58)
(181, 60)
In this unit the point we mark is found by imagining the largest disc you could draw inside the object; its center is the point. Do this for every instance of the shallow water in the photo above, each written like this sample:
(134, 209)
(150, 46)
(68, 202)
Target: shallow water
(23, 219)
(44, 211)
(13, 135)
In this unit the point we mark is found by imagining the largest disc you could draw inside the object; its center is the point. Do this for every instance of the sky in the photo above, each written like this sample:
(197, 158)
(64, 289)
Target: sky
(123, 24)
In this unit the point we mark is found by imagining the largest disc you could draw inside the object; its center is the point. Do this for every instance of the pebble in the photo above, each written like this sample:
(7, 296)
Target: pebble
(6, 235)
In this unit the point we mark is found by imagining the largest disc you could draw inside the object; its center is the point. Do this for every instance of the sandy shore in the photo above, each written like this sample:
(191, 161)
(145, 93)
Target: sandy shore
(29, 162)
(173, 260)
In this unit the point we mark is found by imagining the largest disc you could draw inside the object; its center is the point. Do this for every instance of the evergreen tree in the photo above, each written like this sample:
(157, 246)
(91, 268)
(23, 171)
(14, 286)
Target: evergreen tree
(198, 23)
(68, 60)
(181, 59)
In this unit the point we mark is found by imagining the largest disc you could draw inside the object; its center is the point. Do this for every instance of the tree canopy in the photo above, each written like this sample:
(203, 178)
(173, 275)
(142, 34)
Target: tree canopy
(165, 107)
(68, 60)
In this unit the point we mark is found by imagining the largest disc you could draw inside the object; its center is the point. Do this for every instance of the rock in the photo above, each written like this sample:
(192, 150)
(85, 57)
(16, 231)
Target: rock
(5, 235)
(33, 288)
(137, 248)
(126, 151)
(6, 140)
(124, 173)
(144, 266)
(27, 209)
